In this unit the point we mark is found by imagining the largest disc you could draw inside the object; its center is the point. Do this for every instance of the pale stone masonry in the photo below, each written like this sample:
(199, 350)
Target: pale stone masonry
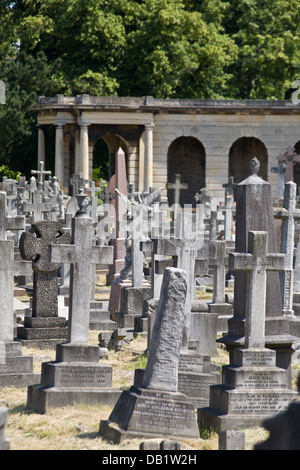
(223, 134)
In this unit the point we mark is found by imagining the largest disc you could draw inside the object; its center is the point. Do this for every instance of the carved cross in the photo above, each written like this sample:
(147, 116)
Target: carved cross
(290, 158)
(256, 263)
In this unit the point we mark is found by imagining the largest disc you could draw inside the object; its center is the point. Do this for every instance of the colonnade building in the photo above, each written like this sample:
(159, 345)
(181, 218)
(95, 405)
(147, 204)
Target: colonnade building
(205, 141)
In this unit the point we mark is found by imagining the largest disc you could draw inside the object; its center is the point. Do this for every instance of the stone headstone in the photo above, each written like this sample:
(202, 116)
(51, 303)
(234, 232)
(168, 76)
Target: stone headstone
(157, 409)
(231, 440)
(76, 376)
(254, 212)
(15, 370)
(43, 327)
(253, 387)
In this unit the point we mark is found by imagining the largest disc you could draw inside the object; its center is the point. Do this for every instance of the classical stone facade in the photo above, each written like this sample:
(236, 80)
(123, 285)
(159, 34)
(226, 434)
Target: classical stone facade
(205, 141)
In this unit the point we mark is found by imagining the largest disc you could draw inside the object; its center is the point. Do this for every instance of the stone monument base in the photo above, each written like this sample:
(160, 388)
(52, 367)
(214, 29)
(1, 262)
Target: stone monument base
(16, 370)
(253, 389)
(75, 377)
(149, 413)
(42, 332)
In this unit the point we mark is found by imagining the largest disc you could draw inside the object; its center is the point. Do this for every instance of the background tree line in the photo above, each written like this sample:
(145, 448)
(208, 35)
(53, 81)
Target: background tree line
(205, 49)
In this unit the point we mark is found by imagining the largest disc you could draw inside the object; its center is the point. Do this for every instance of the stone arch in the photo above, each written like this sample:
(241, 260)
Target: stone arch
(240, 154)
(110, 145)
(186, 156)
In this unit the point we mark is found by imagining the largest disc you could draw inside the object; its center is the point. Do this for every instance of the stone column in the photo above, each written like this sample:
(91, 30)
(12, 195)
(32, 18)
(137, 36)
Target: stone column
(77, 152)
(41, 145)
(59, 152)
(148, 179)
(84, 150)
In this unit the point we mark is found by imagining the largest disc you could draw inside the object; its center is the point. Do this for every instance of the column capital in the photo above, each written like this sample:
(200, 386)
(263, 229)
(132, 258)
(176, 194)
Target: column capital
(149, 126)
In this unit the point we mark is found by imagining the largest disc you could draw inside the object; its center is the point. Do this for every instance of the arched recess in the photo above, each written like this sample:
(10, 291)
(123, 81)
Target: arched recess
(297, 168)
(104, 152)
(186, 156)
(240, 154)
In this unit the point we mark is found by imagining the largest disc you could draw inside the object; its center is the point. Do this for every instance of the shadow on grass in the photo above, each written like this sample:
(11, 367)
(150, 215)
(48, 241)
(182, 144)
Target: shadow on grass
(22, 408)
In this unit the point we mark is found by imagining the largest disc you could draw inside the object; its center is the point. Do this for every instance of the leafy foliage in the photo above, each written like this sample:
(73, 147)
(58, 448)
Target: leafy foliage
(164, 48)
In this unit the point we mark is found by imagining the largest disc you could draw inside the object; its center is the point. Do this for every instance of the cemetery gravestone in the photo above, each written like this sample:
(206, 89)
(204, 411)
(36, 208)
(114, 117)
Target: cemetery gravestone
(43, 328)
(284, 429)
(15, 370)
(253, 387)
(76, 376)
(254, 212)
(157, 409)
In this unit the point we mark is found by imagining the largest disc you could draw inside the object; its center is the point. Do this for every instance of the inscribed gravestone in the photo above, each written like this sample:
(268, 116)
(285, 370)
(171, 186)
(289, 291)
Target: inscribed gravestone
(254, 212)
(253, 387)
(156, 408)
(76, 376)
(44, 327)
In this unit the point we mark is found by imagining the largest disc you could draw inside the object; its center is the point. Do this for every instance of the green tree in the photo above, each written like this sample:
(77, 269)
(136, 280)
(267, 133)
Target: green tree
(267, 34)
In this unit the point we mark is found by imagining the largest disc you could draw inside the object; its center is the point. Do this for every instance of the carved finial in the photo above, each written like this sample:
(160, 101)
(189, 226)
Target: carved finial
(254, 166)
(82, 203)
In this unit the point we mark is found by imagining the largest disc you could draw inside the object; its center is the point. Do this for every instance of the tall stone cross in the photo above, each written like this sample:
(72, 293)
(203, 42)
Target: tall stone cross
(81, 255)
(41, 174)
(185, 250)
(37, 207)
(177, 187)
(230, 187)
(256, 263)
(288, 214)
(290, 158)
(35, 245)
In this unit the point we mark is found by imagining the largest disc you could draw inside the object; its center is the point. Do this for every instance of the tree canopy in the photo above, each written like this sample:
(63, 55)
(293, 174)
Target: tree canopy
(206, 49)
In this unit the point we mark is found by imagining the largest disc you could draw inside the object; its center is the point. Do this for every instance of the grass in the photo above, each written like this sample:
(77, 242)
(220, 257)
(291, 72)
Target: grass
(76, 427)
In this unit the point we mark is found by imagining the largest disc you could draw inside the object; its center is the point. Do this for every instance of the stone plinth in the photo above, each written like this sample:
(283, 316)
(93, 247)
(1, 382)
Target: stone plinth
(75, 377)
(142, 412)
(16, 370)
(252, 389)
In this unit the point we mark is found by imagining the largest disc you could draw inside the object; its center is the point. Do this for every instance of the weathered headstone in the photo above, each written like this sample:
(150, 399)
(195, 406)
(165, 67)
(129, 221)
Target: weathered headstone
(231, 440)
(253, 387)
(37, 207)
(76, 376)
(15, 370)
(288, 214)
(254, 212)
(120, 213)
(43, 328)
(157, 409)
(290, 158)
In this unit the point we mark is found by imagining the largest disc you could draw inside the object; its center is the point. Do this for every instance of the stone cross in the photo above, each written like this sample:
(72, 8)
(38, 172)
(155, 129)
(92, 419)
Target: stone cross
(41, 174)
(230, 187)
(288, 214)
(290, 158)
(256, 263)
(37, 207)
(177, 186)
(218, 263)
(92, 189)
(35, 246)
(213, 225)
(227, 210)
(185, 250)
(10, 187)
(81, 255)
